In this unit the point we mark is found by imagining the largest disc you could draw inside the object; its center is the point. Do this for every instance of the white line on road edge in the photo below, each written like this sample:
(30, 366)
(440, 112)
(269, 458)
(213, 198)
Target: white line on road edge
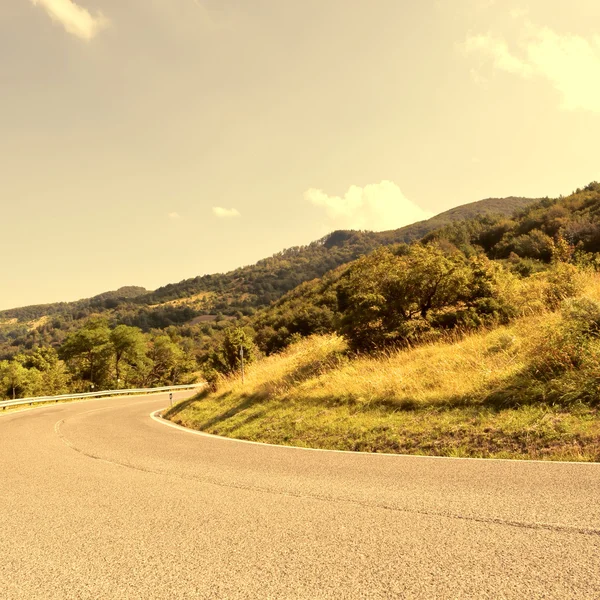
(156, 417)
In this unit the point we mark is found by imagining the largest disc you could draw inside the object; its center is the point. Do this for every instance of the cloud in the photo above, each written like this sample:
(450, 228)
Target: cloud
(375, 207)
(174, 216)
(571, 63)
(225, 213)
(75, 19)
(498, 51)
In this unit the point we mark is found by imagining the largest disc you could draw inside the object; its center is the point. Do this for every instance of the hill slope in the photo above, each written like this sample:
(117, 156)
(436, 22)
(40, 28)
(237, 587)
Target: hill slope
(258, 285)
(529, 238)
(239, 292)
(525, 390)
(103, 301)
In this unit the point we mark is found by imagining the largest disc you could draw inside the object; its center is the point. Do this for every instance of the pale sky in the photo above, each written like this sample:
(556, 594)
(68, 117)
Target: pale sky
(146, 141)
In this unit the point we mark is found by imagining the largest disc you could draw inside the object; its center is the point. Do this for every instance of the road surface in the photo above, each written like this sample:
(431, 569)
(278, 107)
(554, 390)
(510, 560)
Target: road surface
(99, 501)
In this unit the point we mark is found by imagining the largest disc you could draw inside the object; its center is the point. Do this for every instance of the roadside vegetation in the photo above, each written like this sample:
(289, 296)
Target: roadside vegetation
(96, 357)
(481, 340)
(528, 389)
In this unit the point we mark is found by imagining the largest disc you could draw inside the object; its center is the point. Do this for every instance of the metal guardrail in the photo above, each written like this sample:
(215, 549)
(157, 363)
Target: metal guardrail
(41, 399)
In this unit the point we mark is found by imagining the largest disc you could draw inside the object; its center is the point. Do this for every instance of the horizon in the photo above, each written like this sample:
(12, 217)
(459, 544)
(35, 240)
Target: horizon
(145, 143)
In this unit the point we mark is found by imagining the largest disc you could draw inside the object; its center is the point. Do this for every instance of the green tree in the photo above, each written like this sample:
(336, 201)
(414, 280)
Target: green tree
(128, 345)
(88, 353)
(14, 379)
(227, 358)
(168, 361)
(386, 298)
(47, 373)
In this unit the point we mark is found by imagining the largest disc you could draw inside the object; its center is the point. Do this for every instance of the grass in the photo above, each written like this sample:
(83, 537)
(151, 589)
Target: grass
(488, 394)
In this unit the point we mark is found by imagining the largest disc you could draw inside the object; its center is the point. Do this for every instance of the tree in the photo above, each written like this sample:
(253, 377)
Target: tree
(14, 379)
(169, 361)
(88, 352)
(386, 299)
(226, 358)
(128, 344)
(47, 373)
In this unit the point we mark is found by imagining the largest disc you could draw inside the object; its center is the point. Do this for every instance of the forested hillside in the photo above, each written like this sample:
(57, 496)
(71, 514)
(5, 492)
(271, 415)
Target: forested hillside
(533, 231)
(258, 285)
(194, 328)
(216, 297)
(454, 279)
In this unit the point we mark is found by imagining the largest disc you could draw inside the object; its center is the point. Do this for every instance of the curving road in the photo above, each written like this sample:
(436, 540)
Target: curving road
(99, 501)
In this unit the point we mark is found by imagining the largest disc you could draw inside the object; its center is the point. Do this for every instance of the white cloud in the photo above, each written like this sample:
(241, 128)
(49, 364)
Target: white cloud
(376, 207)
(499, 53)
(174, 216)
(75, 19)
(571, 63)
(225, 213)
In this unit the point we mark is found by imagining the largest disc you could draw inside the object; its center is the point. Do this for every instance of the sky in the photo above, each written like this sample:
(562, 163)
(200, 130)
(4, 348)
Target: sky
(148, 141)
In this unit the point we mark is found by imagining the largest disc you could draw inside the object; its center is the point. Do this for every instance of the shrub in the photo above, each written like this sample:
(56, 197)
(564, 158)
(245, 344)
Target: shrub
(533, 244)
(582, 315)
(563, 282)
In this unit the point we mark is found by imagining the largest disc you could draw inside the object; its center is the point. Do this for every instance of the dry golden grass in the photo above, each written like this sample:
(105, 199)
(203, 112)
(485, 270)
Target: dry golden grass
(9, 321)
(432, 399)
(38, 322)
(196, 300)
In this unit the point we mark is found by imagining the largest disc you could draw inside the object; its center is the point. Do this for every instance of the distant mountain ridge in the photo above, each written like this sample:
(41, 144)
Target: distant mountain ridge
(105, 299)
(487, 207)
(247, 288)
(270, 278)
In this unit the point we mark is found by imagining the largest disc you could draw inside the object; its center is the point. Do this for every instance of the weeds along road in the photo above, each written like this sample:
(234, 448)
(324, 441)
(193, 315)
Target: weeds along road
(98, 500)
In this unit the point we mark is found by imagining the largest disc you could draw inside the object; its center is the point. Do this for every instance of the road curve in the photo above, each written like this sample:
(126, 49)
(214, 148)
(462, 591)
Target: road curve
(99, 501)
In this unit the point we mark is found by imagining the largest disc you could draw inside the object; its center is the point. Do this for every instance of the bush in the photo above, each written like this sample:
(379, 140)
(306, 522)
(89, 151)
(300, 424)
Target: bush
(393, 300)
(563, 282)
(212, 377)
(503, 342)
(534, 244)
(582, 315)
(566, 364)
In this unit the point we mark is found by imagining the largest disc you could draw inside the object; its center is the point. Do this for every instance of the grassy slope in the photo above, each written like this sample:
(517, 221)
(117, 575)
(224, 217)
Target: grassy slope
(437, 399)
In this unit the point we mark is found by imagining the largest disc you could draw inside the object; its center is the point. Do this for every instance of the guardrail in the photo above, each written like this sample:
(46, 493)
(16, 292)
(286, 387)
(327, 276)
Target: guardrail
(41, 399)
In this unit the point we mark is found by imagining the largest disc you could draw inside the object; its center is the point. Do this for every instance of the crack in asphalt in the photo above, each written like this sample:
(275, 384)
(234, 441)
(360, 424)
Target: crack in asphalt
(210, 481)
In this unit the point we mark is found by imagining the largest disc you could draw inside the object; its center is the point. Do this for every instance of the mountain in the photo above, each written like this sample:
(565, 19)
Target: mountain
(239, 292)
(534, 232)
(258, 285)
(567, 228)
(106, 300)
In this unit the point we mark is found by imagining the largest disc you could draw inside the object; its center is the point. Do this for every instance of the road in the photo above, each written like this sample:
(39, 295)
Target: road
(99, 501)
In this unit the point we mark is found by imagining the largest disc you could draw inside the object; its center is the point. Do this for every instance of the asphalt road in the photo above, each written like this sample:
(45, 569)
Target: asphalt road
(99, 501)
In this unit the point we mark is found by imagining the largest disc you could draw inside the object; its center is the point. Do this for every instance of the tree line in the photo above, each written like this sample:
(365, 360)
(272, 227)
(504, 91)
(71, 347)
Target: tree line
(96, 357)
